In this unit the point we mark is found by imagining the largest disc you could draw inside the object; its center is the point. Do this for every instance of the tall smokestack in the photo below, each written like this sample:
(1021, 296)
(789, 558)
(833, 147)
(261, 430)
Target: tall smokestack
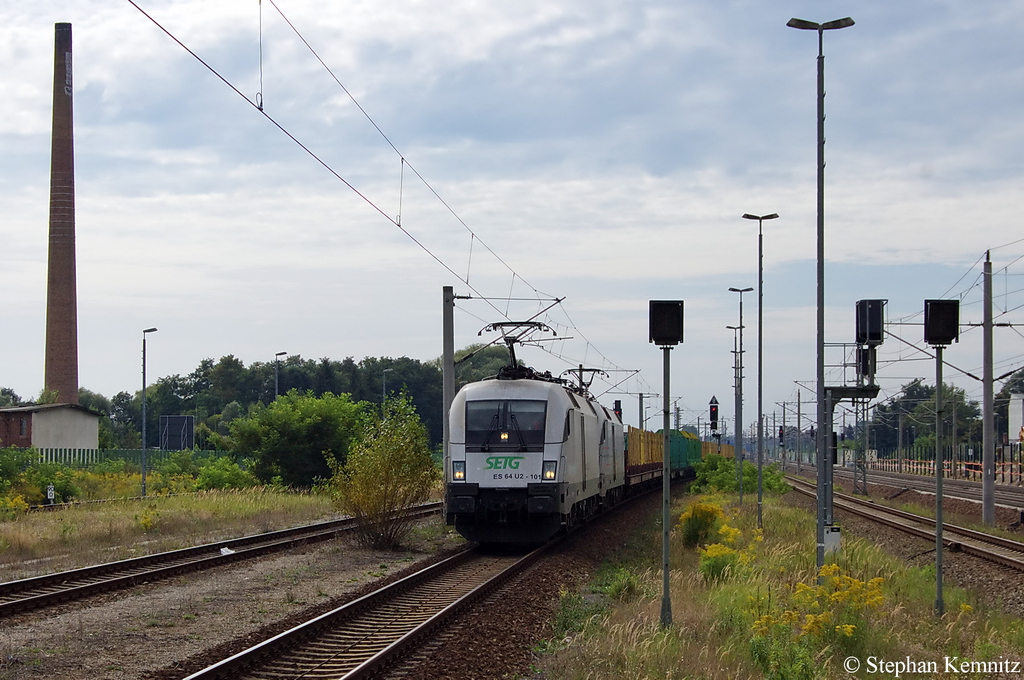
(61, 297)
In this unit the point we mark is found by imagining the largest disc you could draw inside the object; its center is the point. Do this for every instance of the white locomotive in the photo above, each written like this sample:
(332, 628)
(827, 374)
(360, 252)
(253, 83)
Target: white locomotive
(529, 455)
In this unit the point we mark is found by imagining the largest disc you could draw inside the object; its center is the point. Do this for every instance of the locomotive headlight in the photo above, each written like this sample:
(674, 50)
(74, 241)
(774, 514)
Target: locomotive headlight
(504, 436)
(458, 469)
(549, 469)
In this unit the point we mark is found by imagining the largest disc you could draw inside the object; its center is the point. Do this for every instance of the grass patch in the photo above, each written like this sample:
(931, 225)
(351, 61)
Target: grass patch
(44, 542)
(748, 604)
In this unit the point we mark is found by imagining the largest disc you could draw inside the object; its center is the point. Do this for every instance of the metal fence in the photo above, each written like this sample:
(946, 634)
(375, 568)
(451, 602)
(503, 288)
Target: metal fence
(87, 457)
(960, 462)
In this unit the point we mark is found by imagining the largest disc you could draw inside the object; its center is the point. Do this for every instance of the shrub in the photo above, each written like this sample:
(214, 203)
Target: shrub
(12, 505)
(387, 471)
(294, 436)
(718, 562)
(41, 475)
(697, 523)
(224, 473)
(178, 463)
(716, 473)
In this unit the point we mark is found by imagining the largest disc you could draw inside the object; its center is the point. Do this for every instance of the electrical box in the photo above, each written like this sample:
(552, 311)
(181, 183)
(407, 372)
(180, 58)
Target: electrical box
(833, 538)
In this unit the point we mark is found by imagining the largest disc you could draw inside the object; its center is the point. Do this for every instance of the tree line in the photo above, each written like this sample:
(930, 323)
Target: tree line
(915, 406)
(219, 392)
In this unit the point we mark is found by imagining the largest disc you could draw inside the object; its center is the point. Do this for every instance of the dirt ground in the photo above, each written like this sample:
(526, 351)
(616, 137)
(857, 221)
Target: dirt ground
(139, 632)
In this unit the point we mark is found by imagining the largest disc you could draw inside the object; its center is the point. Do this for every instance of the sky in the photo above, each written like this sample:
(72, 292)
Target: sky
(600, 151)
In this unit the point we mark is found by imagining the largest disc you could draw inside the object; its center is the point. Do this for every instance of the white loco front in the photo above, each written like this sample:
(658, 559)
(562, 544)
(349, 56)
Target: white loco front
(528, 457)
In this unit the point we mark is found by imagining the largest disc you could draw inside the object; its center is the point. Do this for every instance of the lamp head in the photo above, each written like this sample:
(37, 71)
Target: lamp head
(813, 26)
(280, 354)
(748, 216)
(803, 24)
(838, 23)
(149, 330)
(740, 290)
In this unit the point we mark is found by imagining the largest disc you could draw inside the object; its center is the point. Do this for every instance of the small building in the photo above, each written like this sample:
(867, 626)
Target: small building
(1015, 419)
(50, 426)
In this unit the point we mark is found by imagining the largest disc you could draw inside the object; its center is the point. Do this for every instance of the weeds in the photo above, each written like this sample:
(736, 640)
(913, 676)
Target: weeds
(753, 605)
(44, 542)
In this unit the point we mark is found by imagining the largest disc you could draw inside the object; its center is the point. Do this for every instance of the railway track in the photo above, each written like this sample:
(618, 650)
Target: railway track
(42, 591)
(1004, 551)
(368, 634)
(1005, 495)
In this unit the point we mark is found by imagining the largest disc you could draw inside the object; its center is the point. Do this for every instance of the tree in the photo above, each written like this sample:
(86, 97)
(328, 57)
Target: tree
(476, 362)
(9, 397)
(388, 470)
(289, 438)
(917, 406)
(125, 421)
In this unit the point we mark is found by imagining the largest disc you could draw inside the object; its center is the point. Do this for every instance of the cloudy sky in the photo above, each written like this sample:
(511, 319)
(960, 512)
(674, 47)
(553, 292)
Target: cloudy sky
(600, 150)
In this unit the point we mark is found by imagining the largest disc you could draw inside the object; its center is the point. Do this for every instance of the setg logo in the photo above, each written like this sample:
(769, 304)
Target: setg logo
(503, 462)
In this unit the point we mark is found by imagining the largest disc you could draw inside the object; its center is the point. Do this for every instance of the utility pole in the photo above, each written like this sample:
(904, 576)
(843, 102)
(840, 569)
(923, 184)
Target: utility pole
(799, 433)
(447, 364)
(899, 447)
(988, 429)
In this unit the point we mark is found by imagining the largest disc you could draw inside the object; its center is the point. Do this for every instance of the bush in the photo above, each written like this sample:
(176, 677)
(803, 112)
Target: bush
(718, 562)
(41, 475)
(12, 505)
(13, 464)
(716, 473)
(290, 437)
(387, 471)
(697, 523)
(224, 473)
(178, 463)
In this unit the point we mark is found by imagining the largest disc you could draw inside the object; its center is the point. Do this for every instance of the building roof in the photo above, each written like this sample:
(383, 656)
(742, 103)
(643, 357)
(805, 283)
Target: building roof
(35, 408)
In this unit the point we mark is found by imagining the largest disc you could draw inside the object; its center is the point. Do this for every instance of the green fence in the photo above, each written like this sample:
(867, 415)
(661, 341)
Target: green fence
(87, 457)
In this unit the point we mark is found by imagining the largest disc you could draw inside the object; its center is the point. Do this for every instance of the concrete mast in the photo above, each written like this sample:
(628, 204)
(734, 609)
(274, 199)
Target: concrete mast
(61, 372)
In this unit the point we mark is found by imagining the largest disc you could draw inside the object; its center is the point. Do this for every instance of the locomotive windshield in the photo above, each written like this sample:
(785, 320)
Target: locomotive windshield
(505, 425)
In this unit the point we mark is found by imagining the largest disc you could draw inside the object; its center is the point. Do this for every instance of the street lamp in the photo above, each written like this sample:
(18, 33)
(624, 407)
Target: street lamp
(384, 384)
(737, 407)
(148, 330)
(739, 389)
(277, 364)
(820, 439)
(760, 357)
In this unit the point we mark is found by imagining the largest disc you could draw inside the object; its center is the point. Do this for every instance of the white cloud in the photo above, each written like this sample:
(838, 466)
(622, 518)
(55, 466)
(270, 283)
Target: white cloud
(604, 150)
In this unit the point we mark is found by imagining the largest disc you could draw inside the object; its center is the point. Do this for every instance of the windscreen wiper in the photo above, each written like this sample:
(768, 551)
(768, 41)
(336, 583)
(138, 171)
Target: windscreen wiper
(515, 424)
(485, 446)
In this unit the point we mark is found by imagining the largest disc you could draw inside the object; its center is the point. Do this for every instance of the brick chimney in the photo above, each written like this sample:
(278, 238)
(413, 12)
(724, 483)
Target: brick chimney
(61, 296)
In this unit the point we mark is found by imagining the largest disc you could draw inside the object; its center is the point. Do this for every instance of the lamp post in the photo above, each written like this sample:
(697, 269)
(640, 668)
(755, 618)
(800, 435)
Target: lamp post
(148, 330)
(820, 439)
(384, 384)
(737, 408)
(277, 364)
(760, 356)
(739, 390)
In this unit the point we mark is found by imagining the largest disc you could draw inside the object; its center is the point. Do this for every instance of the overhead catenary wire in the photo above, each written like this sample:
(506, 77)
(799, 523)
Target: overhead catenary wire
(258, 104)
(369, 118)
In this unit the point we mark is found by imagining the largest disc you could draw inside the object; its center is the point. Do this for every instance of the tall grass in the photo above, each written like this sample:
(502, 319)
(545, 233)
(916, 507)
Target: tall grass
(748, 604)
(79, 535)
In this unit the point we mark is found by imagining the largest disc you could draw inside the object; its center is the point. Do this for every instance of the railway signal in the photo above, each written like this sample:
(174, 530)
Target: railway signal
(666, 331)
(941, 328)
